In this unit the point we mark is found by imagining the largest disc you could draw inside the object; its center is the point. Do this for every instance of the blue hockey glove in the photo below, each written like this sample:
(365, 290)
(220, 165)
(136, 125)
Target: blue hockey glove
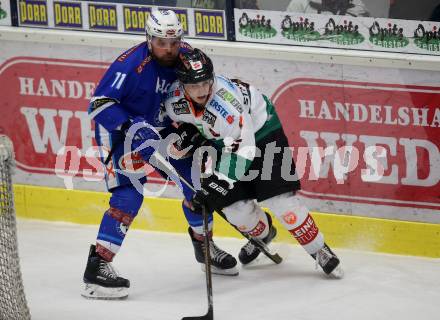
(145, 138)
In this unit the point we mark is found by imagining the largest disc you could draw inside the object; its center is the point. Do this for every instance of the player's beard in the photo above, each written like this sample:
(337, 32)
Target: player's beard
(168, 60)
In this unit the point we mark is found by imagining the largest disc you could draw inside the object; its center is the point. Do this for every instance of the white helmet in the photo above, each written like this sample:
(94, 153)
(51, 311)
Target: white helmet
(163, 24)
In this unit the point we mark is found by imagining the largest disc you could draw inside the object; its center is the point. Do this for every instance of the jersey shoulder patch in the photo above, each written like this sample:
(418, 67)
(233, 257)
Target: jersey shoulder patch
(175, 102)
(230, 98)
(209, 117)
(244, 87)
(229, 93)
(181, 106)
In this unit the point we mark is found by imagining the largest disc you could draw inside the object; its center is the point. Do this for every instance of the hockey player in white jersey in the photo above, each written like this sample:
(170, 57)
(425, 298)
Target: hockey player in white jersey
(244, 127)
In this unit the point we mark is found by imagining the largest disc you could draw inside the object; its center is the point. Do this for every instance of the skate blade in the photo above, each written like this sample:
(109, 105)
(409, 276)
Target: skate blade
(222, 272)
(338, 273)
(93, 291)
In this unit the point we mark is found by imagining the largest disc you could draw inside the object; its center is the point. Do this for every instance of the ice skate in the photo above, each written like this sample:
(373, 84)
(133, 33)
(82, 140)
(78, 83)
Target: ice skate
(101, 280)
(249, 252)
(222, 263)
(329, 262)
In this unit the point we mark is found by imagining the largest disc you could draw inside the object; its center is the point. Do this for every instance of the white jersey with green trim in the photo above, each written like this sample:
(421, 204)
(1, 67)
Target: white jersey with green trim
(234, 112)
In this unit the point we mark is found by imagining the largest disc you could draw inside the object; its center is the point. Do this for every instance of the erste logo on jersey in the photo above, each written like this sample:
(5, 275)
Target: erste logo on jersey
(180, 107)
(220, 109)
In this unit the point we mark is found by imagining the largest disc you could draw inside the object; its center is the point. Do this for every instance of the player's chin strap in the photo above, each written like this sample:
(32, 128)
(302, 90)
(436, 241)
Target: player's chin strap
(161, 163)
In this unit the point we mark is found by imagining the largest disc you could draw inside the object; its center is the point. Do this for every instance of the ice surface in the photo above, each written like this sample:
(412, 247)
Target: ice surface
(167, 283)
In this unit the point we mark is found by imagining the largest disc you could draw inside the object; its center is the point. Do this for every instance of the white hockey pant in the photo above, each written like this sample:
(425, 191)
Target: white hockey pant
(289, 210)
(248, 217)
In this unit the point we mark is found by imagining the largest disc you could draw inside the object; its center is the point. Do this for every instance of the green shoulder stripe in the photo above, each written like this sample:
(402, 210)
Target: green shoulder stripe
(272, 123)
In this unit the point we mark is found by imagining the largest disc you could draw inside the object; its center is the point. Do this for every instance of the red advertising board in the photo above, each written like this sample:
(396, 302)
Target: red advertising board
(364, 142)
(44, 112)
(359, 142)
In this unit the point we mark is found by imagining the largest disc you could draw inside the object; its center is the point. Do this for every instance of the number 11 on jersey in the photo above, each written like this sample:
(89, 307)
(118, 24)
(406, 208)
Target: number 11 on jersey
(120, 77)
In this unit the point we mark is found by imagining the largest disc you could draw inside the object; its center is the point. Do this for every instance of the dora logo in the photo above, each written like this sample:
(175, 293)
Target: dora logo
(289, 217)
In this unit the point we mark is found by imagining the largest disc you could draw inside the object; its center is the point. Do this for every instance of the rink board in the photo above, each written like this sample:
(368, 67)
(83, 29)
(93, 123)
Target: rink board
(380, 110)
(162, 214)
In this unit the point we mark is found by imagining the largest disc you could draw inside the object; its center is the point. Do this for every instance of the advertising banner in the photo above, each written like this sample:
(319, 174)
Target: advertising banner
(5, 13)
(53, 134)
(115, 17)
(376, 143)
(335, 31)
(365, 140)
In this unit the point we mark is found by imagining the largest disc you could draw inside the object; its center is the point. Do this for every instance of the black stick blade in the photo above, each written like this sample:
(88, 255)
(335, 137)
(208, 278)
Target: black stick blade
(275, 258)
(208, 316)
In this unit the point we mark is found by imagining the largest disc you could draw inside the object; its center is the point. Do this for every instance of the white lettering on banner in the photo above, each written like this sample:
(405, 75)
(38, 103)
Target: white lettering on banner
(393, 127)
(49, 132)
(411, 153)
(360, 113)
(376, 159)
(388, 112)
(323, 158)
(345, 159)
(87, 134)
(420, 116)
(376, 114)
(67, 165)
(56, 88)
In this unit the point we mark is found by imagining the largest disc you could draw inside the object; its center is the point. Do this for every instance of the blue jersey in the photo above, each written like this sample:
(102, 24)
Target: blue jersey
(132, 86)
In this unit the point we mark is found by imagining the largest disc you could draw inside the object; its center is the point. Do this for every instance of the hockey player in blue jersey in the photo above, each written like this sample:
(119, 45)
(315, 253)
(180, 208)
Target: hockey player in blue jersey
(129, 95)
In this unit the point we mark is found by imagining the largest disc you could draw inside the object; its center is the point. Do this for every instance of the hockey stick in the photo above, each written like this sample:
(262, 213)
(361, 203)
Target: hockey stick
(210, 313)
(160, 160)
